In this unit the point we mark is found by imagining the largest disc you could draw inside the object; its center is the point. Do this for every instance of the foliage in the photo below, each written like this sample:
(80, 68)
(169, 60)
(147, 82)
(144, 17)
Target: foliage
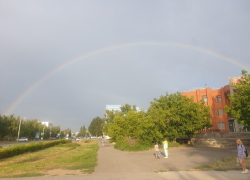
(95, 127)
(124, 145)
(169, 116)
(82, 131)
(170, 144)
(9, 127)
(126, 125)
(175, 115)
(240, 108)
(31, 147)
(126, 108)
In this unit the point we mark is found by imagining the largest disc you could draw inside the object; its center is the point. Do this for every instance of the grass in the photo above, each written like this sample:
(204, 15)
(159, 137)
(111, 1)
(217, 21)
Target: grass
(73, 156)
(223, 165)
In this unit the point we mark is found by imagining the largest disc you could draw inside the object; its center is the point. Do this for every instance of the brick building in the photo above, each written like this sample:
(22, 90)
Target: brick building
(217, 99)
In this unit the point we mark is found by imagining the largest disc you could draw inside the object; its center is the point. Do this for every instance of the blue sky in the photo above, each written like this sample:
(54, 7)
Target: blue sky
(37, 37)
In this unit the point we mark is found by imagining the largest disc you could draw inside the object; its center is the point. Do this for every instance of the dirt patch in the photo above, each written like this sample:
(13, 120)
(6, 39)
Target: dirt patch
(62, 172)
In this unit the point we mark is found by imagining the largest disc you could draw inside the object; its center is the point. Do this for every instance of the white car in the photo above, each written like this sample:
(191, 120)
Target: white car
(22, 139)
(107, 137)
(78, 138)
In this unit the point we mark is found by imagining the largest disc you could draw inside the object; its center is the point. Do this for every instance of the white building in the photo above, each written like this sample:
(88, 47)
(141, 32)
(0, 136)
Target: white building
(45, 123)
(113, 107)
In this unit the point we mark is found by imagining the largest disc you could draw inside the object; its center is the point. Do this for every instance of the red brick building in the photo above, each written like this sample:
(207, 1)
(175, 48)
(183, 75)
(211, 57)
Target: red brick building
(216, 99)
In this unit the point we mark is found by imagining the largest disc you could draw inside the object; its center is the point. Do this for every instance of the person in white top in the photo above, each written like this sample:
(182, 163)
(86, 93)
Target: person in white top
(157, 150)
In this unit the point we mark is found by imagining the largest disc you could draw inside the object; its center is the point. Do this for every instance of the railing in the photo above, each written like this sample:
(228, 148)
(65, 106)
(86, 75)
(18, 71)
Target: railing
(210, 130)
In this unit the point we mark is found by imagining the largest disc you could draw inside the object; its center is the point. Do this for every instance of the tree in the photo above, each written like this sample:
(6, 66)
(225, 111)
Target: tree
(126, 108)
(175, 115)
(240, 101)
(82, 131)
(95, 127)
(126, 125)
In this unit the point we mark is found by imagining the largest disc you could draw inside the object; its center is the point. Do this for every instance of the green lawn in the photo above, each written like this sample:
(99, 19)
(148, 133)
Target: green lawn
(73, 156)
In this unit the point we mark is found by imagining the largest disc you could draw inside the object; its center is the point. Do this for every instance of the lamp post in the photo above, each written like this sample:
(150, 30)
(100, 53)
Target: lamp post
(19, 127)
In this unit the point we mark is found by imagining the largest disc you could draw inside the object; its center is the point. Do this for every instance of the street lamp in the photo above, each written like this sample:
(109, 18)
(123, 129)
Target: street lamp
(19, 127)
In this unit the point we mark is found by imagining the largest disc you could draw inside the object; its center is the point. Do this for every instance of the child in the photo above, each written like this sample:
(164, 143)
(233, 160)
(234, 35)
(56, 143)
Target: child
(157, 150)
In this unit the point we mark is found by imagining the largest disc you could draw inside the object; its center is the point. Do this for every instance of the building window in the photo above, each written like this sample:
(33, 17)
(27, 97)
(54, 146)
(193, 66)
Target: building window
(220, 112)
(221, 125)
(218, 98)
(204, 98)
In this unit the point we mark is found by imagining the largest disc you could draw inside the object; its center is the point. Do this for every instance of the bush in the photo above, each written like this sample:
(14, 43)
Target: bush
(170, 144)
(126, 145)
(31, 147)
(173, 144)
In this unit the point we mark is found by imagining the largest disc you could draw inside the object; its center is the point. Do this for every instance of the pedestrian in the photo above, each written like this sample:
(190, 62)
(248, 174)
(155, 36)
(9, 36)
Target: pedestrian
(157, 150)
(103, 141)
(165, 146)
(241, 154)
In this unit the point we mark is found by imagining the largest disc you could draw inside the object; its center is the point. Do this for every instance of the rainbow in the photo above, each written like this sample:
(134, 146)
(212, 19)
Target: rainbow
(119, 46)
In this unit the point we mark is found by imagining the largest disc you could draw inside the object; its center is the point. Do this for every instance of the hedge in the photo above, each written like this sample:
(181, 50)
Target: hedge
(31, 147)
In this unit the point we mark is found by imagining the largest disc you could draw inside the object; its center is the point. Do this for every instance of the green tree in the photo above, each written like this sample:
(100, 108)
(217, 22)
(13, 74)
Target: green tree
(240, 101)
(126, 123)
(3, 126)
(82, 131)
(95, 127)
(126, 108)
(175, 115)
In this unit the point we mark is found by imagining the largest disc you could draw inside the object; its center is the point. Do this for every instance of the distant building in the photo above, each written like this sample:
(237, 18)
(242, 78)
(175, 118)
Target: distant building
(217, 99)
(45, 123)
(113, 107)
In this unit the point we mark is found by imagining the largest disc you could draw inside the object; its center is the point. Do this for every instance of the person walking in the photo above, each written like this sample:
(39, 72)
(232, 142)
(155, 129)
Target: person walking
(157, 150)
(165, 146)
(241, 155)
(103, 141)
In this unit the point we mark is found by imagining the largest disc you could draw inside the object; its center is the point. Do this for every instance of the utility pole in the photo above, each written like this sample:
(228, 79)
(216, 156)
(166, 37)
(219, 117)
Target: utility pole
(19, 127)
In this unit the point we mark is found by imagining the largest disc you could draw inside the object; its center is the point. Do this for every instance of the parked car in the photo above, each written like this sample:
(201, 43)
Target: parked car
(107, 137)
(50, 138)
(78, 138)
(22, 139)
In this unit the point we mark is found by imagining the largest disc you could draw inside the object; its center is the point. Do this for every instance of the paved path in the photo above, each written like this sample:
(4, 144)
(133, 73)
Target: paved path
(118, 165)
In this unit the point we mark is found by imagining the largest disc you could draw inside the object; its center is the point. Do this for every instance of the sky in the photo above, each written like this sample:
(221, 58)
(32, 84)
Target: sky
(63, 61)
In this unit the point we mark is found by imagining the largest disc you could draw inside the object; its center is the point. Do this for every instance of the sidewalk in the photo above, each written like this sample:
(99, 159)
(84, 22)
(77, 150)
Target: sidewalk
(205, 175)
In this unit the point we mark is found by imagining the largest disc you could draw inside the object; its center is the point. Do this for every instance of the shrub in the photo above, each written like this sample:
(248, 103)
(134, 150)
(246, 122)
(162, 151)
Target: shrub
(31, 147)
(126, 145)
(171, 144)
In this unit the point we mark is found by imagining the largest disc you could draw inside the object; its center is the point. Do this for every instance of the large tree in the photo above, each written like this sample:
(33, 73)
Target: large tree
(95, 127)
(175, 115)
(126, 125)
(240, 101)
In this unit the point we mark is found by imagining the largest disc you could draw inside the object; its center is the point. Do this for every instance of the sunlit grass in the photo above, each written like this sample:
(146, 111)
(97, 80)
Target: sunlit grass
(223, 165)
(72, 156)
